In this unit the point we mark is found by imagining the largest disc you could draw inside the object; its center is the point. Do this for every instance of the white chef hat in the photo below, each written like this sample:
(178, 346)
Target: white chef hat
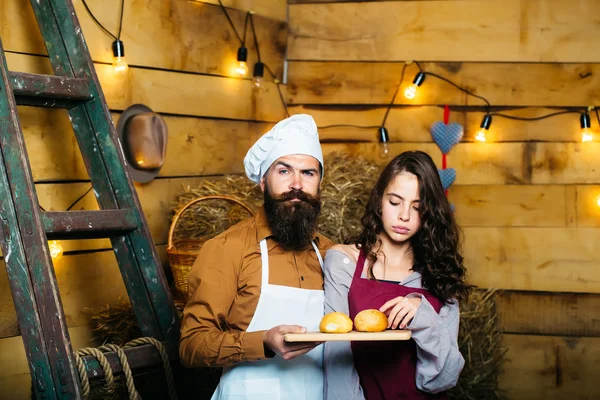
(294, 135)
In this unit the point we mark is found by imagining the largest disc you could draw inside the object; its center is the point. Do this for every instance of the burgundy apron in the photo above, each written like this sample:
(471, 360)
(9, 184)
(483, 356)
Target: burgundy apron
(387, 370)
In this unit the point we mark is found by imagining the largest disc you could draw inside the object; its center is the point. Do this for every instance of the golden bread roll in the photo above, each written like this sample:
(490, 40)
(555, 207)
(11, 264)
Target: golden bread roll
(370, 321)
(335, 322)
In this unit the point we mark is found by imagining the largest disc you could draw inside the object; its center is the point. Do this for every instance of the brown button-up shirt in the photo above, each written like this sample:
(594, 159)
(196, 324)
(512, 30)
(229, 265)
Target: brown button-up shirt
(224, 286)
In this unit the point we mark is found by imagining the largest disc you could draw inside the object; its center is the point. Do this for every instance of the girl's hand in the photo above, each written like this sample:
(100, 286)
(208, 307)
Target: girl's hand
(400, 311)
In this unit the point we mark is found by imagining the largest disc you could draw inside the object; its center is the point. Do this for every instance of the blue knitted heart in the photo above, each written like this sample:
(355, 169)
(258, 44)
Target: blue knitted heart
(446, 136)
(448, 176)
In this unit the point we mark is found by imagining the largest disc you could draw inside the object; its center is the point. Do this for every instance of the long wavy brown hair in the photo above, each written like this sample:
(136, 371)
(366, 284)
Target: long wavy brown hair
(436, 245)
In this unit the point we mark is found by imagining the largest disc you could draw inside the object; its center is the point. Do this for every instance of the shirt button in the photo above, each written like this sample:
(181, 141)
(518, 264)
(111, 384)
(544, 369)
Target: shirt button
(346, 260)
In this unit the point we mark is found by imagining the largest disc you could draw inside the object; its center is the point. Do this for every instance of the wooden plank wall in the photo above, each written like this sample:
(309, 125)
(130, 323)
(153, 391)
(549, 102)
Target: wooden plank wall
(181, 56)
(527, 198)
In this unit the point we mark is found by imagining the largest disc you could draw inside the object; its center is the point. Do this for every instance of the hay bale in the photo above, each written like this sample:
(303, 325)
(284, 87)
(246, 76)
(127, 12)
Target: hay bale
(480, 343)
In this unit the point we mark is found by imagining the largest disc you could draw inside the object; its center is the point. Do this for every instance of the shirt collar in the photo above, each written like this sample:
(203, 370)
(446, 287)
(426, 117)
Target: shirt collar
(263, 230)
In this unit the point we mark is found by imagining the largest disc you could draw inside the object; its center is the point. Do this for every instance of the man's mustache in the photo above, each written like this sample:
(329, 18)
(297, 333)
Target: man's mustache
(293, 195)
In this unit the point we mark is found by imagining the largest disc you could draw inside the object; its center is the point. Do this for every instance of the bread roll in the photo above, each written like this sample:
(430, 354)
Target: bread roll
(370, 321)
(335, 322)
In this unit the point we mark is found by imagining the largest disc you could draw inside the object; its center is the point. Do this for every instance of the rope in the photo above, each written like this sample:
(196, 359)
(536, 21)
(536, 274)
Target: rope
(165, 359)
(109, 387)
(133, 393)
(85, 382)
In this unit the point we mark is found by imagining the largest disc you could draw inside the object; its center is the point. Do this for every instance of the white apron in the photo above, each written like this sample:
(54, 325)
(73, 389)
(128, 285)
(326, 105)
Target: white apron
(277, 379)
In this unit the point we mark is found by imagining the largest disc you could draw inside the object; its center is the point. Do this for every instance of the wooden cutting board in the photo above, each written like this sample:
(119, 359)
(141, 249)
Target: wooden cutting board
(354, 336)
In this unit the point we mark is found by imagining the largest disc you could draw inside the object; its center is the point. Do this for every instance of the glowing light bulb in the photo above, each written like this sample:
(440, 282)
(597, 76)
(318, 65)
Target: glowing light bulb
(56, 250)
(586, 132)
(484, 128)
(586, 135)
(242, 68)
(598, 201)
(119, 64)
(242, 58)
(411, 91)
(384, 138)
(480, 137)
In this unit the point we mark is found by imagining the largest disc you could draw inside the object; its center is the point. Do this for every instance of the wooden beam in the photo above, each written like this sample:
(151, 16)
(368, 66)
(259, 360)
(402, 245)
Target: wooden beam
(588, 206)
(499, 163)
(48, 90)
(273, 9)
(549, 313)
(551, 367)
(565, 163)
(88, 224)
(514, 31)
(475, 163)
(156, 198)
(141, 357)
(539, 259)
(510, 205)
(173, 35)
(503, 84)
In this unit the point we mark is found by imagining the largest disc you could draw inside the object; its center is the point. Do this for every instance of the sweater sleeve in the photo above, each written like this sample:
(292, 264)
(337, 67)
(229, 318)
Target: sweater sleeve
(439, 361)
(341, 378)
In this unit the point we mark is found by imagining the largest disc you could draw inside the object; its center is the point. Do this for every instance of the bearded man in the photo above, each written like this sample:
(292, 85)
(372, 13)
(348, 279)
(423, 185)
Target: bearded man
(263, 278)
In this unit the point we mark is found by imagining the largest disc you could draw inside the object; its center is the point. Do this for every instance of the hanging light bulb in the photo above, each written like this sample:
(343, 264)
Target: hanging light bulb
(56, 250)
(484, 128)
(258, 74)
(586, 132)
(384, 139)
(242, 57)
(119, 64)
(411, 91)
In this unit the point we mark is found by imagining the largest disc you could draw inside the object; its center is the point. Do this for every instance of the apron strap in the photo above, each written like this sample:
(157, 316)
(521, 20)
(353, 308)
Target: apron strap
(264, 256)
(318, 253)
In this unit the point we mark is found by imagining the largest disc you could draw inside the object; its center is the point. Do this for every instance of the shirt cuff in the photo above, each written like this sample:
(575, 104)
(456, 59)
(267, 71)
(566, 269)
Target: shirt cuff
(253, 346)
(425, 315)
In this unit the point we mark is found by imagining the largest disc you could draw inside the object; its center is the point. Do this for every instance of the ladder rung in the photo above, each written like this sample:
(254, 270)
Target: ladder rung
(88, 224)
(139, 357)
(49, 90)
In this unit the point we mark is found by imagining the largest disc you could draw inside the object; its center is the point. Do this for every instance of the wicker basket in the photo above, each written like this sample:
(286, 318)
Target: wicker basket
(184, 252)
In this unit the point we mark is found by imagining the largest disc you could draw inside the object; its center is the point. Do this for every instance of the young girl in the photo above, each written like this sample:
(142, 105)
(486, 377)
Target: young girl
(405, 263)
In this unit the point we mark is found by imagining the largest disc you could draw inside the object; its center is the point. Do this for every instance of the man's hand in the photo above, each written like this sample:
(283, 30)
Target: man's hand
(400, 311)
(273, 339)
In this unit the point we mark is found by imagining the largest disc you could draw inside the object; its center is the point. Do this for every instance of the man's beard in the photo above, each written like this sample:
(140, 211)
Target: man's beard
(293, 222)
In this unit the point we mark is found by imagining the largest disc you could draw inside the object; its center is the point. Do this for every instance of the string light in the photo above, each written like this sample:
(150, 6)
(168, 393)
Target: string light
(411, 91)
(259, 67)
(258, 74)
(242, 57)
(384, 139)
(119, 64)
(585, 123)
(56, 250)
(484, 128)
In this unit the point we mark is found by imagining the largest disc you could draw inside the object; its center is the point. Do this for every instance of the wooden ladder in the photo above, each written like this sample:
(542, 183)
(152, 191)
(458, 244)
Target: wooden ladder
(26, 230)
